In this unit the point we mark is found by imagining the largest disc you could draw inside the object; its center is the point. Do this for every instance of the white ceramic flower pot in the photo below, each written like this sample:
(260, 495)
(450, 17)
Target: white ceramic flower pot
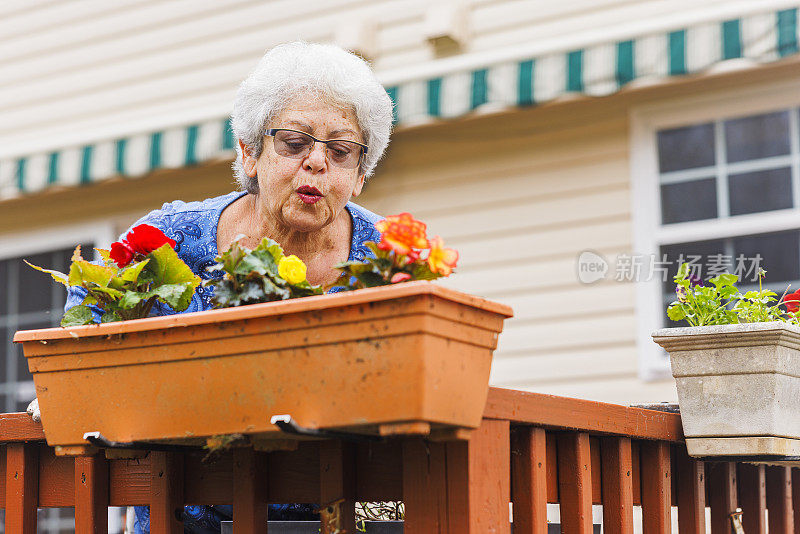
(738, 388)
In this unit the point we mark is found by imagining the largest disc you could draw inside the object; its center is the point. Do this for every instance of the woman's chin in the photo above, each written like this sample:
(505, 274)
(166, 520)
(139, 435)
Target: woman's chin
(307, 220)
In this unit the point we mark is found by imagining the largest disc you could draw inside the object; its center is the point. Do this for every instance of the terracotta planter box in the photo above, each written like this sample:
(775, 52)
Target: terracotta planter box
(738, 388)
(414, 357)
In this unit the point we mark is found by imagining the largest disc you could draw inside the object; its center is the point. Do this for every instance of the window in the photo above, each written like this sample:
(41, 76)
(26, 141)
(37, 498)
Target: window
(716, 183)
(30, 299)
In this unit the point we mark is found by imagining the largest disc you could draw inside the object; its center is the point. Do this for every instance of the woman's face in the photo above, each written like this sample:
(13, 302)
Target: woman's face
(307, 193)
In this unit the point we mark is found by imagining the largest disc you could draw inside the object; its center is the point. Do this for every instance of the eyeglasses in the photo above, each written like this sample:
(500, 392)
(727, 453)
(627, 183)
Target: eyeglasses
(297, 145)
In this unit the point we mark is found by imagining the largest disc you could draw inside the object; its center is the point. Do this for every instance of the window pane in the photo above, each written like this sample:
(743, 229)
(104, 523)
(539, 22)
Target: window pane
(6, 335)
(4, 287)
(689, 201)
(758, 191)
(22, 363)
(686, 148)
(697, 253)
(760, 136)
(26, 392)
(35, 288)
(780, 255)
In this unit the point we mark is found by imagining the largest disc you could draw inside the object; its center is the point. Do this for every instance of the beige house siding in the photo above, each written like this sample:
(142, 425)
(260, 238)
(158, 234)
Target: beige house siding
(89, 69)
(520, 203)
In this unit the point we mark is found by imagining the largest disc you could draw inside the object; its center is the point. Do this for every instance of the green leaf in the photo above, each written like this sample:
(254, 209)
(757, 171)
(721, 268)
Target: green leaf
(271, 247)
(724, 280)
(130, 299)
(371, 279)
(260, 262)
(225, 295)
(168, 269)
(306, 288)
(173, 294)
(379, 253)
(676, 313)
(231, 257)
(59, 277)
(423, 272)
(82, 273)
(116, 293)
(131, 273)
(77, 316)
(356, 267)
(274, 291)
(252, 292)
(110, 317)
(105, 254)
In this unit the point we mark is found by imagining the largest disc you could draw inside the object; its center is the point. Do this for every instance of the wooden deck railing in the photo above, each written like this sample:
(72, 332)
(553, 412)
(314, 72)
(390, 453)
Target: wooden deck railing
(531, 450)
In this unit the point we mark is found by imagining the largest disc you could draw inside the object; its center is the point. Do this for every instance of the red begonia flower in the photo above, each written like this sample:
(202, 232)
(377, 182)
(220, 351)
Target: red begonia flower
(144, 239)
(121, 253)
(792, 301)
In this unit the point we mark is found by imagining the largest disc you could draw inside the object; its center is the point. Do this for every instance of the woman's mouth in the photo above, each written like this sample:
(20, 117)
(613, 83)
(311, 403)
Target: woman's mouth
(308, 194)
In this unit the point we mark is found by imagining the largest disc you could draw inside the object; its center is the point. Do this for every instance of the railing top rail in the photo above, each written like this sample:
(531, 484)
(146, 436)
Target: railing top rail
(19, 427)
(516, 406)
(577, 414)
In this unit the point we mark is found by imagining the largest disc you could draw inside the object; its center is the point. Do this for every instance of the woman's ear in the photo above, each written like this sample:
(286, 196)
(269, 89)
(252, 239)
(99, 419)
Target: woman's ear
(358, 185)
(249, 163)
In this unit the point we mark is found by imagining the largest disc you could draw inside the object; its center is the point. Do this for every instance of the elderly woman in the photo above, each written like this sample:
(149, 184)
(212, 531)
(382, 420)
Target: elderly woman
(312, 122)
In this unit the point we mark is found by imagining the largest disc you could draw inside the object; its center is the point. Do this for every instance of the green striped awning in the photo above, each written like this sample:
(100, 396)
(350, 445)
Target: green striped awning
(596, 70)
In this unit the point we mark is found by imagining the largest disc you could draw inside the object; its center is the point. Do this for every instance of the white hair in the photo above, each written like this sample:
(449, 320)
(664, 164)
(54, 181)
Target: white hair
(325, 71)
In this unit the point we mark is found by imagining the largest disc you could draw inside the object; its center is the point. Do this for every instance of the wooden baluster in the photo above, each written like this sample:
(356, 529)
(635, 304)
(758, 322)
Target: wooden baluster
(779, 500)
(529, 480)
(796, 499)
(617, 479)
(337, 479)
(22, 487)
(656, 475)
(424, 486)
(753, 498)
(575, 483)
(722, 495)
(91, 494)
(691, 497)
(166, 492)
(479, 480)
(249, 491)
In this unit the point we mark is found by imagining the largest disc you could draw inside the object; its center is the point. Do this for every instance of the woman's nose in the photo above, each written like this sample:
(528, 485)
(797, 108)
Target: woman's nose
(315, 161)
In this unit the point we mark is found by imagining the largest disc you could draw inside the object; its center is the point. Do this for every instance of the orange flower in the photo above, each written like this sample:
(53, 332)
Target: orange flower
(402, 233)
(441, 260)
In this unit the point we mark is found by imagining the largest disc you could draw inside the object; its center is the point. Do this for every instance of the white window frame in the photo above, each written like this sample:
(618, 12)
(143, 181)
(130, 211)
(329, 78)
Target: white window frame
(649, 234)
(20, 244)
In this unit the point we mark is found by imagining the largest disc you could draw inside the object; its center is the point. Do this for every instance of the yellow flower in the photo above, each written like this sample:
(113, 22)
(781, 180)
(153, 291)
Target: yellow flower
(292, 269)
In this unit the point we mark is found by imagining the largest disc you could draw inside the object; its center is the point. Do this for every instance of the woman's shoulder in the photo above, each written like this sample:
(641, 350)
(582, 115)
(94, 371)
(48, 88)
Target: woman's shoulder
(186, 221)
(362, 213)
(363, 230)
(178, 207)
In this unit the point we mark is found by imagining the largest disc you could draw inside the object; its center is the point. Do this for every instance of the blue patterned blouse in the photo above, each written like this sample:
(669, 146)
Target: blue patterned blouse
(193, 226)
